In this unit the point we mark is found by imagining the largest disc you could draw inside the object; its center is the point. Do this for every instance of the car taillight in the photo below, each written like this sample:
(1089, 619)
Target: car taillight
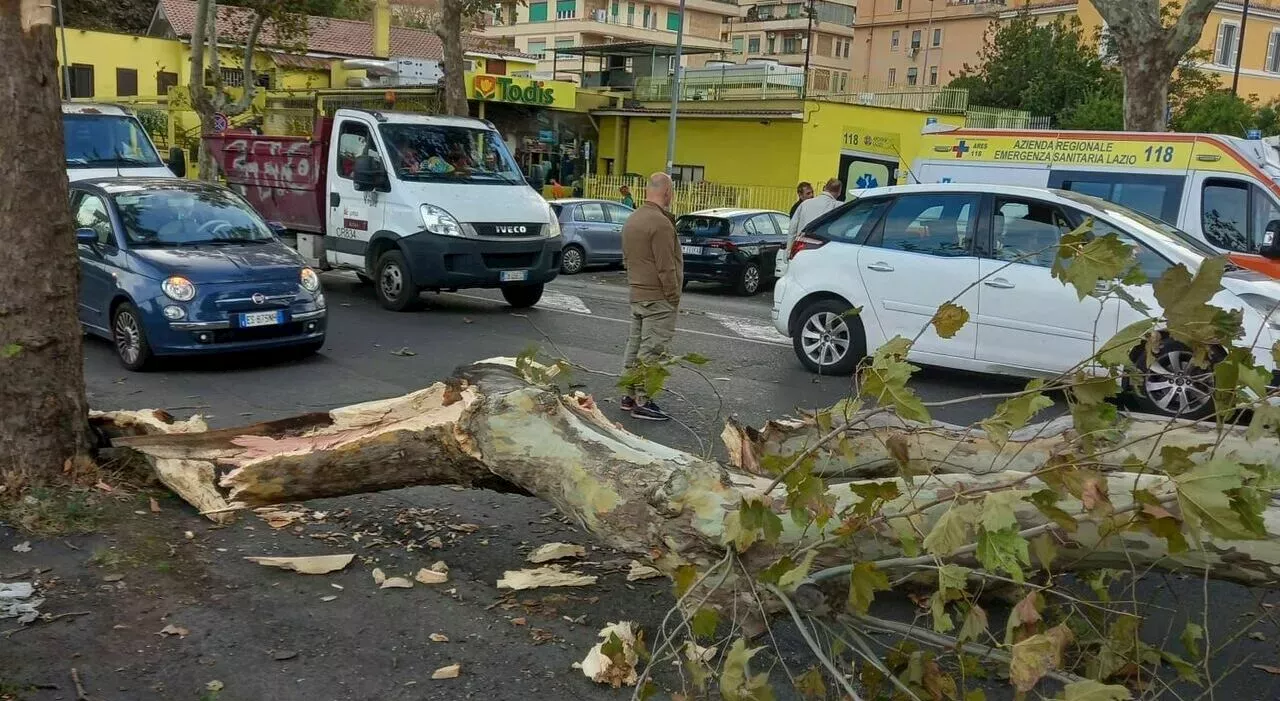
(805, 243)
(728, 246)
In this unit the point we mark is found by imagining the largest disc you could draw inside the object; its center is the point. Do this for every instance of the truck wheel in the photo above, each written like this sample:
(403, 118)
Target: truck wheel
(522, 296)
(392, 283)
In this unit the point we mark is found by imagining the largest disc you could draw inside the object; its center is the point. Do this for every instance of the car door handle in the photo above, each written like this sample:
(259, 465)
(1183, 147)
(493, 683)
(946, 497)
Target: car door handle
(334, 199)
(999, 283)
(880, 267)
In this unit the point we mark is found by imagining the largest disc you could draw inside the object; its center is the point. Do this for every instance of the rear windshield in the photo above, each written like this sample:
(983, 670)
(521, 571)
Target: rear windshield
(692, 225)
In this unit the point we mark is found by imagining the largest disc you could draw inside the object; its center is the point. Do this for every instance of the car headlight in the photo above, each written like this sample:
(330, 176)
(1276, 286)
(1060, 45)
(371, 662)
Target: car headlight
(179, 288)
(310, 281)
(553, 227)
(1268, 308)
(438, 221)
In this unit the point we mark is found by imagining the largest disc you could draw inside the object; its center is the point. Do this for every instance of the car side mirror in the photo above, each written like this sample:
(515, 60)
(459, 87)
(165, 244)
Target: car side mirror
(369, 175)
(87, 236)
(178, 161)
(277, 228)
(1271, 240)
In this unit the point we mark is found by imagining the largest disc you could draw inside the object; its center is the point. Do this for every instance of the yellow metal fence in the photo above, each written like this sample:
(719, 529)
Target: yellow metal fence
(692, 197)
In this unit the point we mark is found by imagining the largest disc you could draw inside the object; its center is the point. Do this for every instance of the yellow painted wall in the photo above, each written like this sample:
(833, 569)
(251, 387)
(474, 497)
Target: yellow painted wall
(824, 133)
(733, 151)
(106, 52)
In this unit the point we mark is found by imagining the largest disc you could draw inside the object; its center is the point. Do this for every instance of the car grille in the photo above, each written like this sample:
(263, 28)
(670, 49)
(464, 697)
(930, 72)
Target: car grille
(507, 261)
(514, 230)
(258, 333)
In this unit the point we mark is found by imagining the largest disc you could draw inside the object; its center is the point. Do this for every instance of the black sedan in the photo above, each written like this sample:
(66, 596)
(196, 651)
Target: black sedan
(735, 247)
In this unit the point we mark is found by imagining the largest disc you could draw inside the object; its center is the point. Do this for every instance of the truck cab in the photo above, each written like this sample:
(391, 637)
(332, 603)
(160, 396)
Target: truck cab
(101, 141)
(410, 202)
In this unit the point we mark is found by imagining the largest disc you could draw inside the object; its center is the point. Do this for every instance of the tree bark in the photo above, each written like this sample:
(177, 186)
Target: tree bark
(450, 32)
(1149, 52)
(490, 428)
(206, 100)
(42, 400)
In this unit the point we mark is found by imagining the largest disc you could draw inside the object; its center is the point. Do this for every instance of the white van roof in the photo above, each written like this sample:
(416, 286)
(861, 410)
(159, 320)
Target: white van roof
(94, 108)
(417, 118)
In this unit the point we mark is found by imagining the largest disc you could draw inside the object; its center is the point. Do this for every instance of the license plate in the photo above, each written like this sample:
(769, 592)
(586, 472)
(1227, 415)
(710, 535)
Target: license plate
(261, 319)
(692, 250)
(513, 275)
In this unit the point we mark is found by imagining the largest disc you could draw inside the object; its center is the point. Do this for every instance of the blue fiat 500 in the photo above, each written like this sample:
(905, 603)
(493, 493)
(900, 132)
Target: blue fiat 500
(175, 267)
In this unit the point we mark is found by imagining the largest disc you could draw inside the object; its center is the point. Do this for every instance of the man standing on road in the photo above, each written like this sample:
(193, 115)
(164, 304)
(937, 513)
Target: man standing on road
(655, 274)
(805, 192)
(804, 215)
(627, 199)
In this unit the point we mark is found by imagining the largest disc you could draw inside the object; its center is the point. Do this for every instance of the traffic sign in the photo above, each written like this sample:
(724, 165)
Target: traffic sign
(220, 122)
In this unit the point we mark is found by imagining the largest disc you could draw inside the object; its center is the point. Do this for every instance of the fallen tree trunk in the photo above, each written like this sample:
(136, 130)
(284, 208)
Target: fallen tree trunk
(488, 427)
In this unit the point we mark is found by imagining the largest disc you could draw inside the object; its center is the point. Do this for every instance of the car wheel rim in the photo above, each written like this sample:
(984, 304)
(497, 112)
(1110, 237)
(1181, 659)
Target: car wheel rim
(392, 281)
(128, 337)
(572, 260)
(825, 338)
(751, 279)
(1176, 386)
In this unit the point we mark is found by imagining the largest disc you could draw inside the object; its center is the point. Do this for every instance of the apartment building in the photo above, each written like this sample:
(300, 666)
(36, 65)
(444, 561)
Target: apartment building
(818, 34)
(540, 27)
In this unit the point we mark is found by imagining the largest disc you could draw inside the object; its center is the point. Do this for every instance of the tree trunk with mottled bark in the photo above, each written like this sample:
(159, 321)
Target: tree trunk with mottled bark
(42, 402)
(490, 428)
(450, 32)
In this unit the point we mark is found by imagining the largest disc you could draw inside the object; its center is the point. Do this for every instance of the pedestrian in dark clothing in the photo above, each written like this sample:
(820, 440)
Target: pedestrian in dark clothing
(804, 191)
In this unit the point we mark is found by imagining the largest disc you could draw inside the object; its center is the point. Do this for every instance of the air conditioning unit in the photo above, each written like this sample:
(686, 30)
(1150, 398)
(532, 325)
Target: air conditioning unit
(771, 35)
(913, 52)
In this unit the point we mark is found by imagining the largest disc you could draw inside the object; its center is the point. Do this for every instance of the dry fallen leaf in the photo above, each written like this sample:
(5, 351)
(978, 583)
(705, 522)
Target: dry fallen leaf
(403, 352)
(396, 583)
(1258, 635)
(155, 506)
(379, 576)
(440, 566)
(435, 542)
(464, 527)
(174, 630)
(640, 571)
(188, 535)
(519, 621)
(549, 576)
(439, 638)
(602, 669)
(427, 576)
(23, 547)
(450, 672)
(327, 599)
(1267, 668)
(215, 686)
(311, 564)
(555, 551)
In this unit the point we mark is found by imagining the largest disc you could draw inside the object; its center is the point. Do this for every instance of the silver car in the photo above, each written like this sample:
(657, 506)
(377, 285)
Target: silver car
(592, 232)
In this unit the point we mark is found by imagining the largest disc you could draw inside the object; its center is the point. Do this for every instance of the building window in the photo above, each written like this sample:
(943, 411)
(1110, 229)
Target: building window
(126, 82)
(566, 9)
(933, 75)
(793, 11)
(847, 44)
(893, 77)
(771, 47)
(753, 45)
(791, 44)
(915, 39)
(613, 10)
(821, 79)
(687, 174)
(737, 45)
(81, 80)
(647, 13)
(1228, 41)
(538, 11)
(844, 82)
(1273, 52)
(563, 44)
(897, 7)
(894, 40)
(537, 48)
(937, 36)
(913, 75)
(673, 20)
(164, 81)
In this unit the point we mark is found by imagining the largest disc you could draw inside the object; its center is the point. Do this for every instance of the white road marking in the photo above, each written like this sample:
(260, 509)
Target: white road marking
(562, 302)
(750, 328)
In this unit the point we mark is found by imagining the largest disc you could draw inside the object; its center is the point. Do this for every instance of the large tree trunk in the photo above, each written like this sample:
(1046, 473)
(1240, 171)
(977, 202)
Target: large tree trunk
(42, 401)
(1147, 75)
(450, 32)
(488, 427)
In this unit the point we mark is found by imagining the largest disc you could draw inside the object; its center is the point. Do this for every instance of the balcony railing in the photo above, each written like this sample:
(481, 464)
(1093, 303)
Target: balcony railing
(739, 84)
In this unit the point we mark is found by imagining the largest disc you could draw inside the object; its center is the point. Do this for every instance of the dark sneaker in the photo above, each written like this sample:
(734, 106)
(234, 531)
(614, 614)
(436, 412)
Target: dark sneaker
(649, 412)
(628, 403)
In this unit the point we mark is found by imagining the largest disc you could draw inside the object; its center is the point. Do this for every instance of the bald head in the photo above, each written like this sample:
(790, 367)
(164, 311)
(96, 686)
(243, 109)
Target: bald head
(660, 190)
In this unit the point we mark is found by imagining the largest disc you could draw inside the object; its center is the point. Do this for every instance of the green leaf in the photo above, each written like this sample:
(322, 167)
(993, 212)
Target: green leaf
(1089, 390)
(1237, 379)
(811, 685)
(774, 572)
(942, 622)
(1206, 506)
(949, 319)
(1089, 690)
(975, 695)
(974, 626)
(1094, 422)
(1045, 550)
(1192, 636)
(1033, 657)
(864, 581)
(796, 576)
(872, 496)
(1003, 550)
(752, 522)
(648, 691)
(1046, 500)
(1083, 260)
(953, 577)
(736, 681)
(998, 508)
(704, 623)
(684, 578)
(952, 529)
(10, 350)
(1115, 352)
(1189, 316)
(807, 497)
(1015, 412)
(1186, 671)
(886, 380)
(1175, 460)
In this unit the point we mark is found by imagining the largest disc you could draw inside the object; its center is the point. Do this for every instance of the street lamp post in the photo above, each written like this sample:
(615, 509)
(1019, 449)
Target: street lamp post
(675, 95)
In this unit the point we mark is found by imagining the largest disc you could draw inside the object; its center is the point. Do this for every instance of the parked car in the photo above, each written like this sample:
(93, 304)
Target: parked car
(900, 252)
(735, 247)
(592, 232)
(175, 267)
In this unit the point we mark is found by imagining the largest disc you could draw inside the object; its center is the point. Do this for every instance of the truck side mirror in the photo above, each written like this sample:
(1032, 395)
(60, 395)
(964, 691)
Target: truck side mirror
(87, 237)
(1271, 240)
(178, 161)
(368, 175)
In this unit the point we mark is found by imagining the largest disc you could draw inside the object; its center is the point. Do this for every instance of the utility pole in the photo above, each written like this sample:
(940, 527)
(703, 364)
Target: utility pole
(66, 67)
(928, 42)
(1244, 21)
(808, 49)
(675, 94)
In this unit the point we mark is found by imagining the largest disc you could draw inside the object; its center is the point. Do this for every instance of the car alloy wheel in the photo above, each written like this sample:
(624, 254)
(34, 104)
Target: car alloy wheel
(127, 333)
(572, 261)
(751, 280)
(1176, 386)
(391, 281)
(825, 338)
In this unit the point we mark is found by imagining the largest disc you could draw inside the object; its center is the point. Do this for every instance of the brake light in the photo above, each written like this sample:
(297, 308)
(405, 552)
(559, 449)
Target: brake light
(805, 243)
(728, 246)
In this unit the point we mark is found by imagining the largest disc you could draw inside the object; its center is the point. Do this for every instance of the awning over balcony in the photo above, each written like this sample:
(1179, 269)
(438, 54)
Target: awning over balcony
(633, 49)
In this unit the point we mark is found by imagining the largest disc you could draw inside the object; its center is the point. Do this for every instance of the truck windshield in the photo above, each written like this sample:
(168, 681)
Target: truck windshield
(106, 141)
(449, 154)
(181, 217)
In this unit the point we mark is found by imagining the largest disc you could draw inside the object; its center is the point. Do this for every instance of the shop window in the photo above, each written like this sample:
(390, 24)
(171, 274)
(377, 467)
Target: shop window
(538, 12)
(164, 81)
(126, 82)
(753, 45)
(673, 20)
(566, 9)
(687, 174)
(81, 78)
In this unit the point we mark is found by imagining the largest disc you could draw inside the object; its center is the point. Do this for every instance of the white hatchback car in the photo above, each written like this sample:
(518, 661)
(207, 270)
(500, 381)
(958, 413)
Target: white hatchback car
(900, 252)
